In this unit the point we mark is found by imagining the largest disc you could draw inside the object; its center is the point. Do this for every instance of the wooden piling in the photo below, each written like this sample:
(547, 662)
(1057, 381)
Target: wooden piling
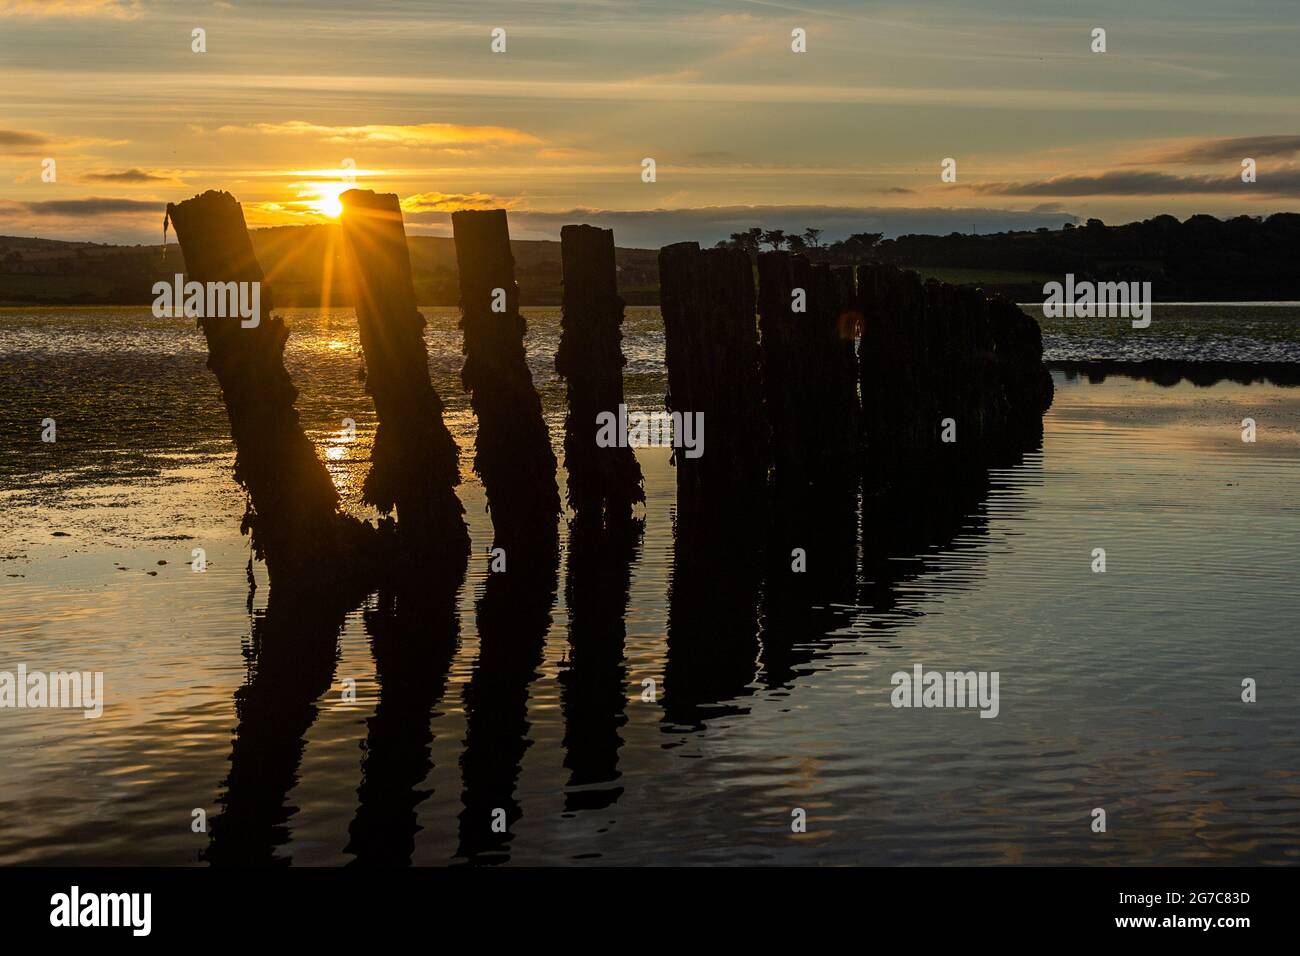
(930, 352)
(415, 464)
(839, 322)
(604, 482)
(809, 374)
(788, 354)
(513, 453)
(711, 351)
(293, 512)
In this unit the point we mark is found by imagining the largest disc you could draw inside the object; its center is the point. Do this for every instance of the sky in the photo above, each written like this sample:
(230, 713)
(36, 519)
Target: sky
(848, 136)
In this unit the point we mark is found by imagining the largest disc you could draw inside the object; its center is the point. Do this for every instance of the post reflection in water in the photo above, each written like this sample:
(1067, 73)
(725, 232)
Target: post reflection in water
(746, 614)
(910, 522)
(593, 684)
(414, 635)
(513, 615)
(711, 647)
(802, 608)
(291, 654)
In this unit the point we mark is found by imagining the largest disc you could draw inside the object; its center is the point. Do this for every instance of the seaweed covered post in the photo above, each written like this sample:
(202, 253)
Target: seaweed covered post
(712, 354)
(293, 511)
(513, 452)
(415, 464)
(604, 482)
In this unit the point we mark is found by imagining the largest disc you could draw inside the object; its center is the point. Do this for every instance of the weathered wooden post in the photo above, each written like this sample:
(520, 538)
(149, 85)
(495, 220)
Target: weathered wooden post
(711, 350)
(881, 353)
(415, 465)
(604, 482)
(513, 452)
(787, 347)
(838, 322)
(1018, 344)
(809, 373)
(293, 511)
(932, 352)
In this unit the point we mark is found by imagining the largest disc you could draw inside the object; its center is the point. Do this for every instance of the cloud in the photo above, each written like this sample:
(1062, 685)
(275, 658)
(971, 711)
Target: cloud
(412, 206)
(1278, 182)
(111, 9)
(132, 175)
(1232, 149)
(562, 152)
(18, 141)
(92, 206)
(92, 219)
(422, 136)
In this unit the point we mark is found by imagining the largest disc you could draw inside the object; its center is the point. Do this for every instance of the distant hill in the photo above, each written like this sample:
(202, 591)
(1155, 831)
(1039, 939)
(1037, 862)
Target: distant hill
(297, 260)
(1200, 259)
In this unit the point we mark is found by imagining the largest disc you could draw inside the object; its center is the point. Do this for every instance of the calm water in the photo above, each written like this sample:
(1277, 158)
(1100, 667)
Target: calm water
(1118, 690)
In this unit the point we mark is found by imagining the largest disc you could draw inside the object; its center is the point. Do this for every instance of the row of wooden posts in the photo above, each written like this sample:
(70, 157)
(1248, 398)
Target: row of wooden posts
(942, 377)
(792, 411)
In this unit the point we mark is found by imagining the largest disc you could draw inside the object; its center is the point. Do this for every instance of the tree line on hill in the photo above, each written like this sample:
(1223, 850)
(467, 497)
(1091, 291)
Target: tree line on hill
(1201, 258)
(809, 242)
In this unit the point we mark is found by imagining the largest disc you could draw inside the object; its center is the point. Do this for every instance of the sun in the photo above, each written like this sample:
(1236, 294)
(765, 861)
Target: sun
(323, 198)
(331, 206)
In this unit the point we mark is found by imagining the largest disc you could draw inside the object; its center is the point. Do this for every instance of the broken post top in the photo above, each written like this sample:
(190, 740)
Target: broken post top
(215, 242)
(677, 252)
(725, 276)
(589, 251)
(477, 231)
(371, 203)
(380, 261)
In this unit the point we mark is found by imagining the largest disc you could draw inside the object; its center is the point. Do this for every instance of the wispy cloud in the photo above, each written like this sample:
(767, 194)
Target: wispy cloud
(422, 136)
(132, 175)
(46, 9)
(16, 140)
(1280, 182)
(1230, 149)
(90, 206)
(19, 142)
(450, 202)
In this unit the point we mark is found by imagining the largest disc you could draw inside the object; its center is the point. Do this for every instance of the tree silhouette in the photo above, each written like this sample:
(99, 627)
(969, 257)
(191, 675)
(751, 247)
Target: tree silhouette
(747, 241)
